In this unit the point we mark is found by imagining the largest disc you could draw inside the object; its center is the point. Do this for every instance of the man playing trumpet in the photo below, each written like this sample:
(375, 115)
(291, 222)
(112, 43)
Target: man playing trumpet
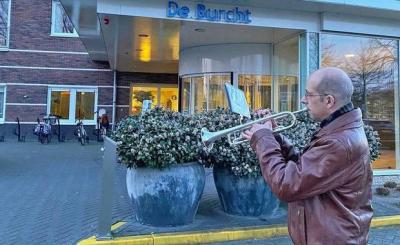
(328, 186)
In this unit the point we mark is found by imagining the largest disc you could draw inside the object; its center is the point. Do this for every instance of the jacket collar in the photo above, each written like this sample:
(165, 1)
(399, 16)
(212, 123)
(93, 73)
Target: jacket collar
(344, 109)
(351, 119)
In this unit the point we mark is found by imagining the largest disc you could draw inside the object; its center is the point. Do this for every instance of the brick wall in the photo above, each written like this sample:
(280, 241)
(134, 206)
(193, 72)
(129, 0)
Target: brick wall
(31, 28)
(37, 58)
(34, 70)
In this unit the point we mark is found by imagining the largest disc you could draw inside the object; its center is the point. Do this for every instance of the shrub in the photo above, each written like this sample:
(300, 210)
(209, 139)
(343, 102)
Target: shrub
(390, 184)
(242, 160)
(157, 139)
(382, 191)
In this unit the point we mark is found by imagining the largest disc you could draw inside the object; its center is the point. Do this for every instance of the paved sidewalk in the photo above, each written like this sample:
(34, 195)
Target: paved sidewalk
(50, 194)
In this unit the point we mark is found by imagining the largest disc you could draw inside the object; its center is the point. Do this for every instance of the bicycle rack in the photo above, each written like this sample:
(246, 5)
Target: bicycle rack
(21, 138)
(61, 138)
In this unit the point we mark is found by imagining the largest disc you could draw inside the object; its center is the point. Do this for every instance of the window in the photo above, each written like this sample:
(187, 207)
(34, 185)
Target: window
(257, 89)
(165, 96)
(61, 25)
(286, 75)
(202, 92)
(2, 102)
(372, 65)
(5, 6)
(71, 104)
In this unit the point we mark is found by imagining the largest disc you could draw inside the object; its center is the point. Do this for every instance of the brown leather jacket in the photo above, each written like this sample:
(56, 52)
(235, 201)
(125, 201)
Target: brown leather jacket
(328, 187)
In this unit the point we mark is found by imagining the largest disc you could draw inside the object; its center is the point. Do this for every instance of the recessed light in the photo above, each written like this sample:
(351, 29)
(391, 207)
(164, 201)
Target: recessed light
(143, 35)
(199, 30)
(139, 49)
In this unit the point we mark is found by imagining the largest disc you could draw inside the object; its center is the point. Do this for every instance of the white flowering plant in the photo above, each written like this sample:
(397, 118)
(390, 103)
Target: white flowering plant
(242, 160)
(300, 135)
(157, 139)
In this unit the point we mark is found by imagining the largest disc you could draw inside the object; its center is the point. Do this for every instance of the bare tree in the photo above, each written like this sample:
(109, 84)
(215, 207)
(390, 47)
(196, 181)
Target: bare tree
(371, 68)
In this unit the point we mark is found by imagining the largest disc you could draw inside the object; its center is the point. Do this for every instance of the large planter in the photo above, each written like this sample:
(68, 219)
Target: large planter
(245, 195)
(168, 197)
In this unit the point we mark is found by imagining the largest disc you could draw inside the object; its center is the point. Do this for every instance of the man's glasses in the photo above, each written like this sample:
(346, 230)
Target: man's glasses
(308, 94)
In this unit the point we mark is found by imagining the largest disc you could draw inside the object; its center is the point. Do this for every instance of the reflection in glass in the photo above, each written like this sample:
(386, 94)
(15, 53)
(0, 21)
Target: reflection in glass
(217, 97)
(186, 94)
(169, 98)
(84, 107)
(286, 69)
(59, 104)
(257, 89)
(204, 92)
(200, 93)
(371, 64)
(61, 24)
(4, 11)
(142, 93)
(288, 93)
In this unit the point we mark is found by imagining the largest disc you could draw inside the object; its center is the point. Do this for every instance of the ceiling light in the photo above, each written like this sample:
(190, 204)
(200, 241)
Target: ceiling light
(199, 30)
(143, 35)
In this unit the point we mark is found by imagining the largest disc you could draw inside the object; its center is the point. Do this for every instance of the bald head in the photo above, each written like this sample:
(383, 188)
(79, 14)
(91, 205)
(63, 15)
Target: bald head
(335, 82)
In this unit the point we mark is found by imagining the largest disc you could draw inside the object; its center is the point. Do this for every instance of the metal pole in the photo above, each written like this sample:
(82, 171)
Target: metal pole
(114, 104)
(107, 184)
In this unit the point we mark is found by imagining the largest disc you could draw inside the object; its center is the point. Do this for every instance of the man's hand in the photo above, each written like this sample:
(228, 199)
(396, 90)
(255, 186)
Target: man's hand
(269, 124)
(249, 133)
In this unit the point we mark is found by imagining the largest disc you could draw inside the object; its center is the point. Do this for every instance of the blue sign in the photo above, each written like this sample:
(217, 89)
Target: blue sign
(234, 15)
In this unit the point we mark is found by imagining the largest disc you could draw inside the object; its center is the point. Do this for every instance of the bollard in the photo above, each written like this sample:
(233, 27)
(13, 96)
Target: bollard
(107, 184)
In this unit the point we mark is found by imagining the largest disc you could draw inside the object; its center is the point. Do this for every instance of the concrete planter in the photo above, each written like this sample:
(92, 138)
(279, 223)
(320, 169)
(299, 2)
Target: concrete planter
(244, 196)
(168, 197)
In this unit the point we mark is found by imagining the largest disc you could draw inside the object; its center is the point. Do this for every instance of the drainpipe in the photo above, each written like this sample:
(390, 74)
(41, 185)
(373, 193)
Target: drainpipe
(114, 103)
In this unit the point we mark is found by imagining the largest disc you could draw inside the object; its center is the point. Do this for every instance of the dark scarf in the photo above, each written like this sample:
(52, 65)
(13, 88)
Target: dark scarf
(344, 109)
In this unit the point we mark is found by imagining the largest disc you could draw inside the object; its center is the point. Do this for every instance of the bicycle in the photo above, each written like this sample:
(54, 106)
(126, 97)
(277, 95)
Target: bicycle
(43, 129)
(83, 137)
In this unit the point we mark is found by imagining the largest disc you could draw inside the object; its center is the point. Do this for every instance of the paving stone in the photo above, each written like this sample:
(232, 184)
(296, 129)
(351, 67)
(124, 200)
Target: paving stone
(50, 194)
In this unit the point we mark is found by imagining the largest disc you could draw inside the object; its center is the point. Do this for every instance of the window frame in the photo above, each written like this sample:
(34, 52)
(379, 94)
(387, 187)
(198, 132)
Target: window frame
(159, 86)
(2, 119)
(6, 48)
(72, 103)
(59, 34)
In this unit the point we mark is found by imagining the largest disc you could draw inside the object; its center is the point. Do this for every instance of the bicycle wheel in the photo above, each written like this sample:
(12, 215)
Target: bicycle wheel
(82, 139)
(42, 137)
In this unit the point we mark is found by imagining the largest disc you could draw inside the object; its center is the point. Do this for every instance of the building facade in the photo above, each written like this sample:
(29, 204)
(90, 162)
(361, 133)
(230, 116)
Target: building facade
(179, 54)
(46, 69)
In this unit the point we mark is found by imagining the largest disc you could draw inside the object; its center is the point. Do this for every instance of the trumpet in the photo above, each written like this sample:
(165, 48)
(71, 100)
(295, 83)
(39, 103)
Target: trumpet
(208, 138)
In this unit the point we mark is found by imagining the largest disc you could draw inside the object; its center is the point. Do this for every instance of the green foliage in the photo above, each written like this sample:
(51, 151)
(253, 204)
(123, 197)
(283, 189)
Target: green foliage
(242, 160)
(390, 184)
(157, 139)
(160, 138)
(382, 191)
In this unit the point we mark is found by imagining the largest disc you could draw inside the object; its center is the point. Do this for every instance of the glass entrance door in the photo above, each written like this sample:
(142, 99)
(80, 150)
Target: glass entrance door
(203, 92)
